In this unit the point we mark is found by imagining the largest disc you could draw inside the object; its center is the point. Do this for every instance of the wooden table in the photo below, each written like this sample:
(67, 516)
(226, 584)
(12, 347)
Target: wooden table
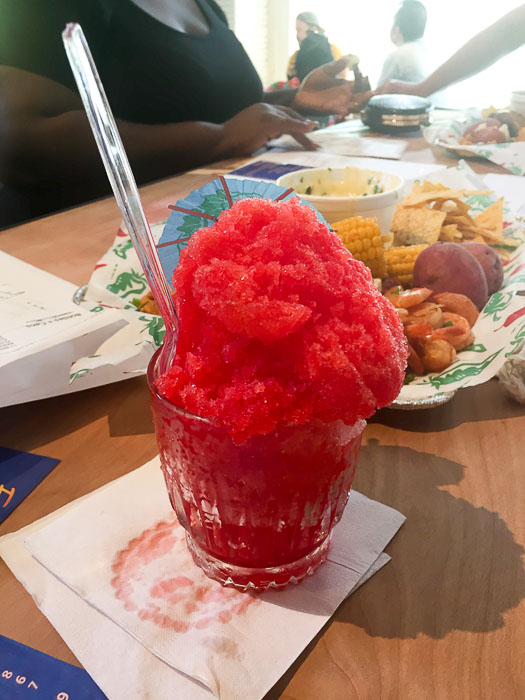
(445, 619)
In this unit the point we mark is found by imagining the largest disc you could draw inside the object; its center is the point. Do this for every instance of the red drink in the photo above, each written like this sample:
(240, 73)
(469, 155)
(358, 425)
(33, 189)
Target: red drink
(258, 514)
(285, 346)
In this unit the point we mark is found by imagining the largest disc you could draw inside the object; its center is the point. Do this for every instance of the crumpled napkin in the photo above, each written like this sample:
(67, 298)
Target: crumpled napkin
(512, 374)
(112, 573)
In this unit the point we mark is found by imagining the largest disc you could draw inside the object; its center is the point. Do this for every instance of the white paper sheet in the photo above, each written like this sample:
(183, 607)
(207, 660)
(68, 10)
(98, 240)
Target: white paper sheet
(70, 577)
(42, 331)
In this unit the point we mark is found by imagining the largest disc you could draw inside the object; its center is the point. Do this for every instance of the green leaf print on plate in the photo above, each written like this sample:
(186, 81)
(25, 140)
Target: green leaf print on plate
(497, 303)
(155, 328)
(77, 374)
(482, 153)
(128, 283)
(479, 201)
(121, 250)
(476, 347)
(517, 340)
(464, 370)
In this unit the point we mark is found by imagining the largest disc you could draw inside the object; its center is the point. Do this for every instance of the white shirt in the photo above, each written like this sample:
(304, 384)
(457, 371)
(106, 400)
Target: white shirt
(407, 62)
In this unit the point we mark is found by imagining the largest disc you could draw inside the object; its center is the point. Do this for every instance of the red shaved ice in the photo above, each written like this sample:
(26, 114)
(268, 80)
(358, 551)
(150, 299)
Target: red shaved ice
(279, 325)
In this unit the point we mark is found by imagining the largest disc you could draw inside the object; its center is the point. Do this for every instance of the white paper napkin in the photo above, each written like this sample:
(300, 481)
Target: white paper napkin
(42, 331)
(119, 586)
(347, 139)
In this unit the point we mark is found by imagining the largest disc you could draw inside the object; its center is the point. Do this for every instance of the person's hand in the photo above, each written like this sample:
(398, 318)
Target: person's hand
(322, 91)
(254, 126)
(399, 87)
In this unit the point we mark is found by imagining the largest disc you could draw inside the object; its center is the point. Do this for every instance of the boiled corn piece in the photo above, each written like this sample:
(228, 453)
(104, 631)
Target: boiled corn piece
(362, 237)
(400, 262)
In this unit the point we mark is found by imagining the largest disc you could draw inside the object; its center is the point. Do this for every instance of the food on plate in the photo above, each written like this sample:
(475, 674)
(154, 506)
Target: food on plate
(147, 304)
(433, 212)
(514, 120)
(458, 304)
(279, 324)
(489, 261)
(491, 219)
(434, 329)
(400, 261)
(362, 237)
(449, 267)
(411, 225)
(486, 131)
(437, 355)
(497, 127)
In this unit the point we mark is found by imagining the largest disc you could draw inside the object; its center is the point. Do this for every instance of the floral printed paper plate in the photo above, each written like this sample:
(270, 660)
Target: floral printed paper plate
(118, 281)
(510, 156)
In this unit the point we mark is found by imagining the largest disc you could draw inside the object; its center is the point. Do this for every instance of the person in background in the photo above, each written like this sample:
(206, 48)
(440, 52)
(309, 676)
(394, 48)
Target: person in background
(484, 49)
(181, 86)
(407, 62)
(314, 48)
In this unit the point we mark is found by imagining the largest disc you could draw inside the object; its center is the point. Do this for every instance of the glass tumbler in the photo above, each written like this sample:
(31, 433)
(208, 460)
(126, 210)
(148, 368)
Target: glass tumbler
(260, 514)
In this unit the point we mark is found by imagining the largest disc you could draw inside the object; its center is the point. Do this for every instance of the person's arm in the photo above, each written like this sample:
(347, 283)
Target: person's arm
(323, 92)
(48, 138)
(487, 47)
(286, 96)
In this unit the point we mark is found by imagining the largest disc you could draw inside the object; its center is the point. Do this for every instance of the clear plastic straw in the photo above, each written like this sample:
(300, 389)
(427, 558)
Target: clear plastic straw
(119, 173)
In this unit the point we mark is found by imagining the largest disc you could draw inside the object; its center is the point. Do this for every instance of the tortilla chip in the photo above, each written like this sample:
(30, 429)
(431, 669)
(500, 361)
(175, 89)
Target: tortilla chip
(488, 235)
(463, 221)
(450, 233)
(416, 200)
(411, 226)
(492, 218)
(511, 242)
(427, 186)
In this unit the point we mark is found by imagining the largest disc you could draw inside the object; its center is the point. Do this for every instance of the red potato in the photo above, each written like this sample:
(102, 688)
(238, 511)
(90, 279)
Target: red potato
(449, 267)
(490, 261)
(488, 131)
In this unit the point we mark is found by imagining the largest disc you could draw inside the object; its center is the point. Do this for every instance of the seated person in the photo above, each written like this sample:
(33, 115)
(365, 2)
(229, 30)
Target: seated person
(481, 51)
(314, 49)
(182, 89)
(407, 62)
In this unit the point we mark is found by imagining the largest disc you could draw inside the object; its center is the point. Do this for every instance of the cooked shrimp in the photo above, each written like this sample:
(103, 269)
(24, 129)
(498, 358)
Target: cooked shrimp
(414, 361)
(417, 335)
(404, 299)
(437, 355)
(456, 331)
(402, 314)
(458, 304)
(426, 312)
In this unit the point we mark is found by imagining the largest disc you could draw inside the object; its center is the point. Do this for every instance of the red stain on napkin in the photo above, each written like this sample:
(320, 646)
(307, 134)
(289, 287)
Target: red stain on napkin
(147, 582)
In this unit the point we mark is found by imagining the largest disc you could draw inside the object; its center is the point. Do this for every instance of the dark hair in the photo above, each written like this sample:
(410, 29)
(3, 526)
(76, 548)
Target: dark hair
(411, 18)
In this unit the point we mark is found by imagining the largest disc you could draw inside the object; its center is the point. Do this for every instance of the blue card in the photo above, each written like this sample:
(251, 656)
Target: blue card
(28, 673)
(266, 170)
(20, 473)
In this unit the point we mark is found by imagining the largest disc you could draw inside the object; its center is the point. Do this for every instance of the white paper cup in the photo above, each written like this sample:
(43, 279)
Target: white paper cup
(381, 205)
(517, 102)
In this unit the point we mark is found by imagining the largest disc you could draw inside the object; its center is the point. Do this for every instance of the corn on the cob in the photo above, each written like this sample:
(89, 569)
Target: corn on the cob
(400, 262)
(362, 237)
